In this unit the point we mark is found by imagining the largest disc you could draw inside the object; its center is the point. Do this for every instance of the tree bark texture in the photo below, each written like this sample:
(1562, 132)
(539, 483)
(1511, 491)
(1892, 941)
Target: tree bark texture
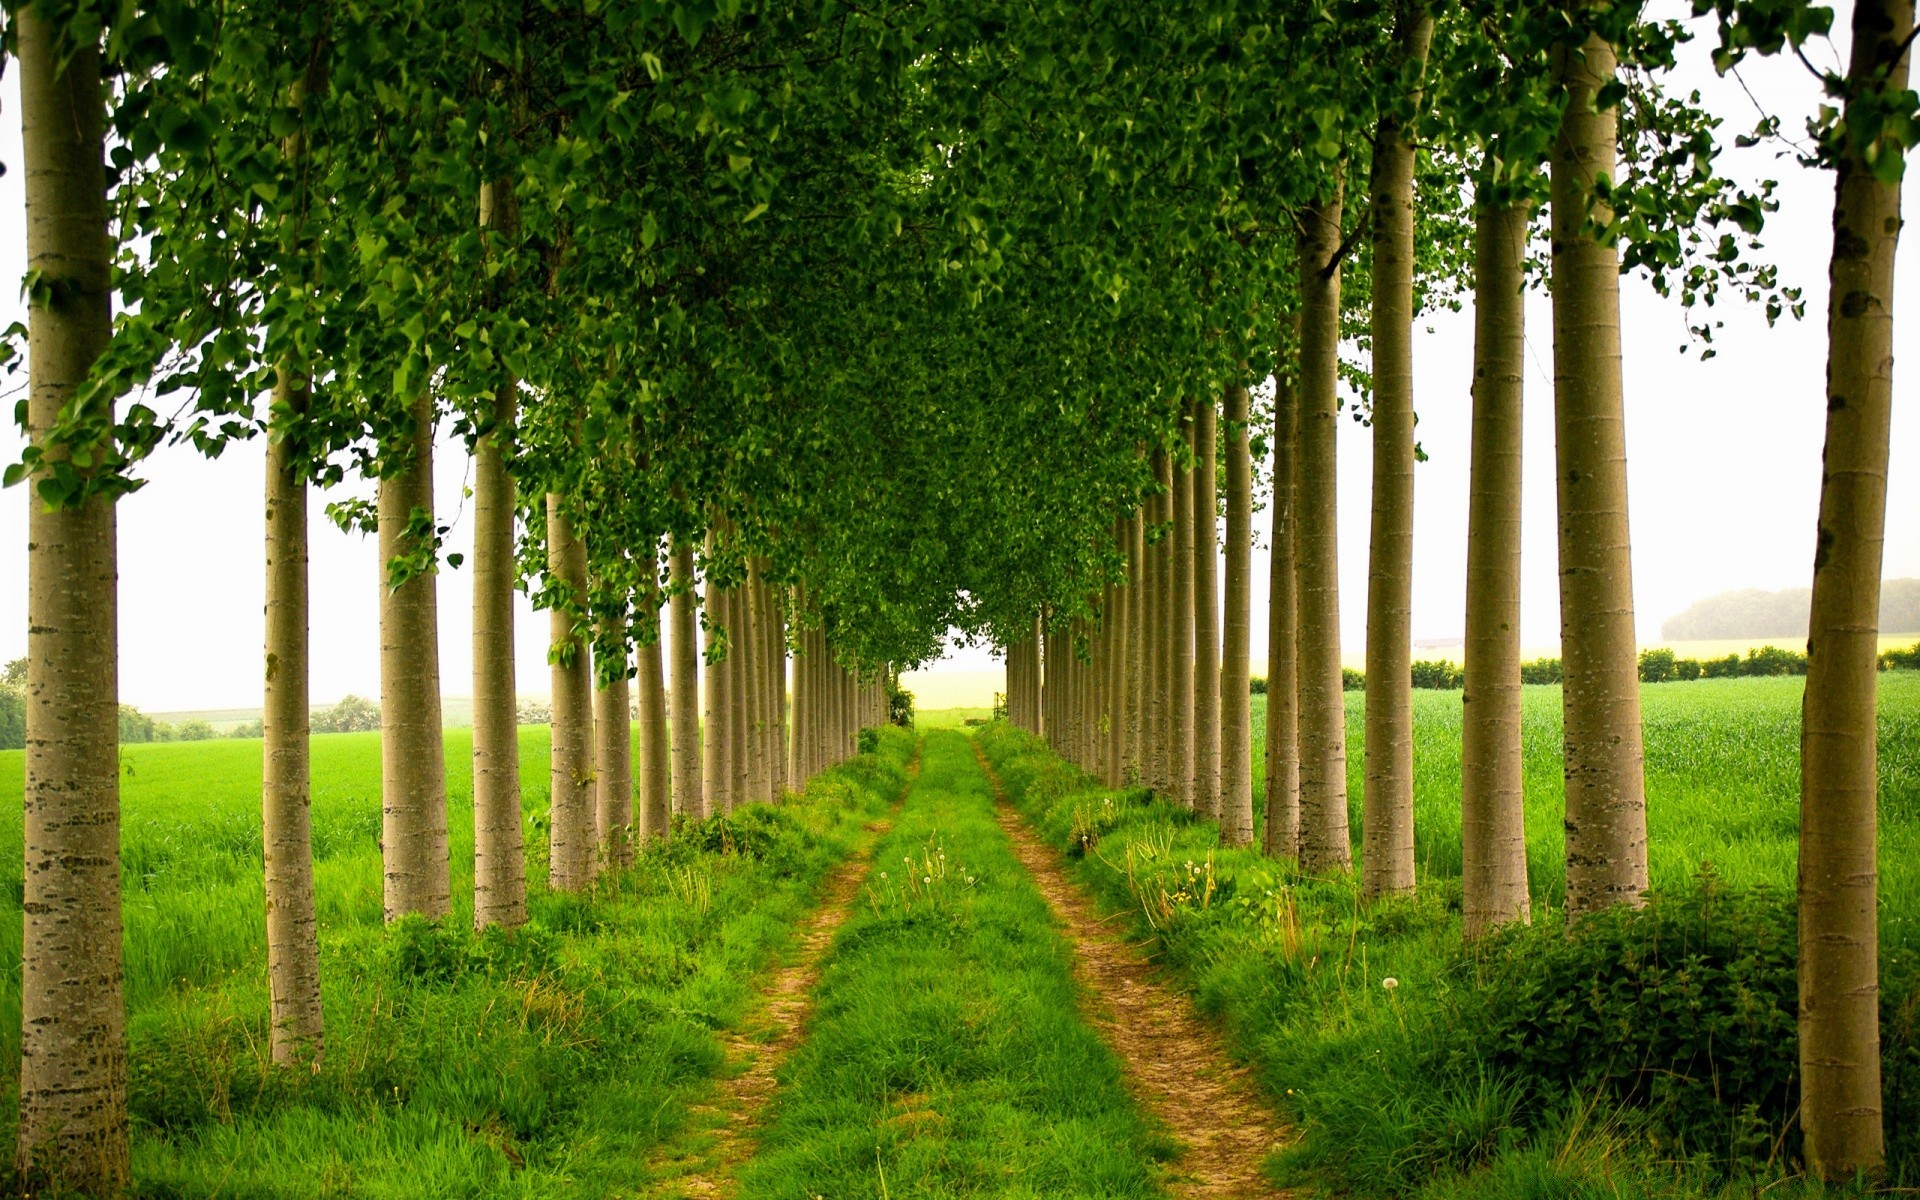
(1236, 714)
(570, 804)
(1181, 711)
(689, 787)
(612, 758)
(1282, 833)
(653, 776)
(1206, 608)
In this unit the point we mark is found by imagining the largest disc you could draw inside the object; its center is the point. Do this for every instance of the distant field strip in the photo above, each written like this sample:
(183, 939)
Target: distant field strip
(948, 1056)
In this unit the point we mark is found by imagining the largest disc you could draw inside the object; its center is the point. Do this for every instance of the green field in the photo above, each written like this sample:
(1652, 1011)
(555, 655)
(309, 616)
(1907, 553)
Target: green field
(560, 1061)
(1650, 1055)
(547, 1063)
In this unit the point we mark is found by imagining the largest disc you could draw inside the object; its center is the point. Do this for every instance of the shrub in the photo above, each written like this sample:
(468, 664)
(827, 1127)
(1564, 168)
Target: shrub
(1541, 670)
(353, 714)
(136, 726)
(195, 730)
(1901, 660)
(899, 706)
(1773, 660)
(13, 705)
(1257, 685)
(1437, 674)
(1658, 666)
(247, 729)
(1684, 1009)
(1352, 680)
(1721, 668)
(1686, 669)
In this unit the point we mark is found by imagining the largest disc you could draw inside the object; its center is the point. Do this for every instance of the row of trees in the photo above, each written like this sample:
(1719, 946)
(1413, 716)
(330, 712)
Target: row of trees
(869, 323)
(1115, 686)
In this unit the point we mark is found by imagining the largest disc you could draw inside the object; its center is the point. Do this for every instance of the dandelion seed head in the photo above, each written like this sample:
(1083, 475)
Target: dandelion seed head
(1389, 983)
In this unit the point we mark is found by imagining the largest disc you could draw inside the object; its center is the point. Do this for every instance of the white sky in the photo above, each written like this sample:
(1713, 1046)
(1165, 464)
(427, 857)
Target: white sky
(1723, 461)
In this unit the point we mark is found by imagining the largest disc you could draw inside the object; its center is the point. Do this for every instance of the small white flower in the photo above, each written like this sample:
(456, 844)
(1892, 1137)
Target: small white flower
(1389, 983)
(926, 879)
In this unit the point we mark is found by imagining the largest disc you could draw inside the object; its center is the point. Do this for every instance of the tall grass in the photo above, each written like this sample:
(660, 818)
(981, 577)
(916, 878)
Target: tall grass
(1643, 1056)
(547, 1062)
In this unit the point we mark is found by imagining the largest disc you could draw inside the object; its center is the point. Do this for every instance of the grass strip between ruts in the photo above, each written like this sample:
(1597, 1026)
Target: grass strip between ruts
(948, 1056)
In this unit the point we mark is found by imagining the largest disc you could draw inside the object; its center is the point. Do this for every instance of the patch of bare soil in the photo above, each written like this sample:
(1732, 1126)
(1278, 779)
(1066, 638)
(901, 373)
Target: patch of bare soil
(1177, 1066)
(757, 1047)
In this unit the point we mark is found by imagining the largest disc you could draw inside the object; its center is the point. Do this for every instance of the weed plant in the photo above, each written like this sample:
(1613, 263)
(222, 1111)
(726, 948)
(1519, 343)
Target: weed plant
(1649, 1053)
(547, 1061)
(947, 1056)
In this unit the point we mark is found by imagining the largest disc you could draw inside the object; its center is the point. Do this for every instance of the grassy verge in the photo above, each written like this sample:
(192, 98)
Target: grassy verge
(550, 1061)
(947, 1056)
(1649, 1055)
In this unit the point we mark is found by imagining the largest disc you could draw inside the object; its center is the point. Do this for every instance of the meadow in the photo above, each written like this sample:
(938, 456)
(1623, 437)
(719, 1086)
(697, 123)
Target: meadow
(1649, 1054)
(551, 1061)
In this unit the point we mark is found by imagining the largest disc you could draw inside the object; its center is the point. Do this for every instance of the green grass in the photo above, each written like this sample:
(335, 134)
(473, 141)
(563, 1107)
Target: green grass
(1446, 1085)
(947, 1057)
(950, 718)
(546, 1063)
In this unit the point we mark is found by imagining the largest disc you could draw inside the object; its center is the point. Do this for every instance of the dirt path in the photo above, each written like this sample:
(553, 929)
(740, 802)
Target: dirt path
(1176, 1065)
(757, 1047)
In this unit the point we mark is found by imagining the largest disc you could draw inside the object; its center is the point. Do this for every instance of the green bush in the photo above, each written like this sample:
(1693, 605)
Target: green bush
(1540, 670)
(1683, 1009)
(1257, 685)
(1438, 674)
(1352, 680)
(1658, 666)
(1901, 660)
(13, 705)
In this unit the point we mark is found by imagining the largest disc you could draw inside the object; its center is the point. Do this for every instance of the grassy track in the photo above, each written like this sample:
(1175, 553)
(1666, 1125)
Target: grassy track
(947, 1057)
(551, 1063)
(1470, 1075)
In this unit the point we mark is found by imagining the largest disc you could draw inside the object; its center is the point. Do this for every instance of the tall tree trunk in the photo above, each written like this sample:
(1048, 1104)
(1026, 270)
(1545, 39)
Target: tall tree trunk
(1606, 817)
(570, 805)
(1839, 934)
(1159, 618)
(1206, 608)
(689, 788)
(715, 768)
(1323, 710)
(1236, 713)
(654, 776)
(1282, 834)
(73, 1064)
(777, 668)
(739, 696)
(753, 677)
(1139, 613)
(1119, 617)
(1386, 811)
(1036, 684)
(1493, 832)
(293, 936)
(297, 1035)
(1181, 707)
(499, 847)
(612, 756)
(413, 772)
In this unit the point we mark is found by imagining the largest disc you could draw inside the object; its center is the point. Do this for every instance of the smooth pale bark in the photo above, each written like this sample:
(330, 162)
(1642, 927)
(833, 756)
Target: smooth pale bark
(499, 842)
(1386, 809)
(1323, 709)
(1050, 683)
(1236, 700)
(1159, 661)
(739, 697)
(296, 1020)
(570, 807)
(753, 676)
(777, 645)
(1493, 830)
(802, 714)
(1282, 833)
(1839, 934)
(1037, 676)
(715, 769)
(413, 773)
(1606, 817)
(1116, 674)
(653, 773)
(1180, 712)
(297, 1026)
(73, 1053)
(613, 821)
(689, 788)
(1206, 609)
(1138, 614)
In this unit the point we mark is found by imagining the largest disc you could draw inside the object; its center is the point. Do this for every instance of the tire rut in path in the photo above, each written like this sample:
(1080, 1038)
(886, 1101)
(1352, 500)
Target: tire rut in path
(1176, 1065)
(774, 1029)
